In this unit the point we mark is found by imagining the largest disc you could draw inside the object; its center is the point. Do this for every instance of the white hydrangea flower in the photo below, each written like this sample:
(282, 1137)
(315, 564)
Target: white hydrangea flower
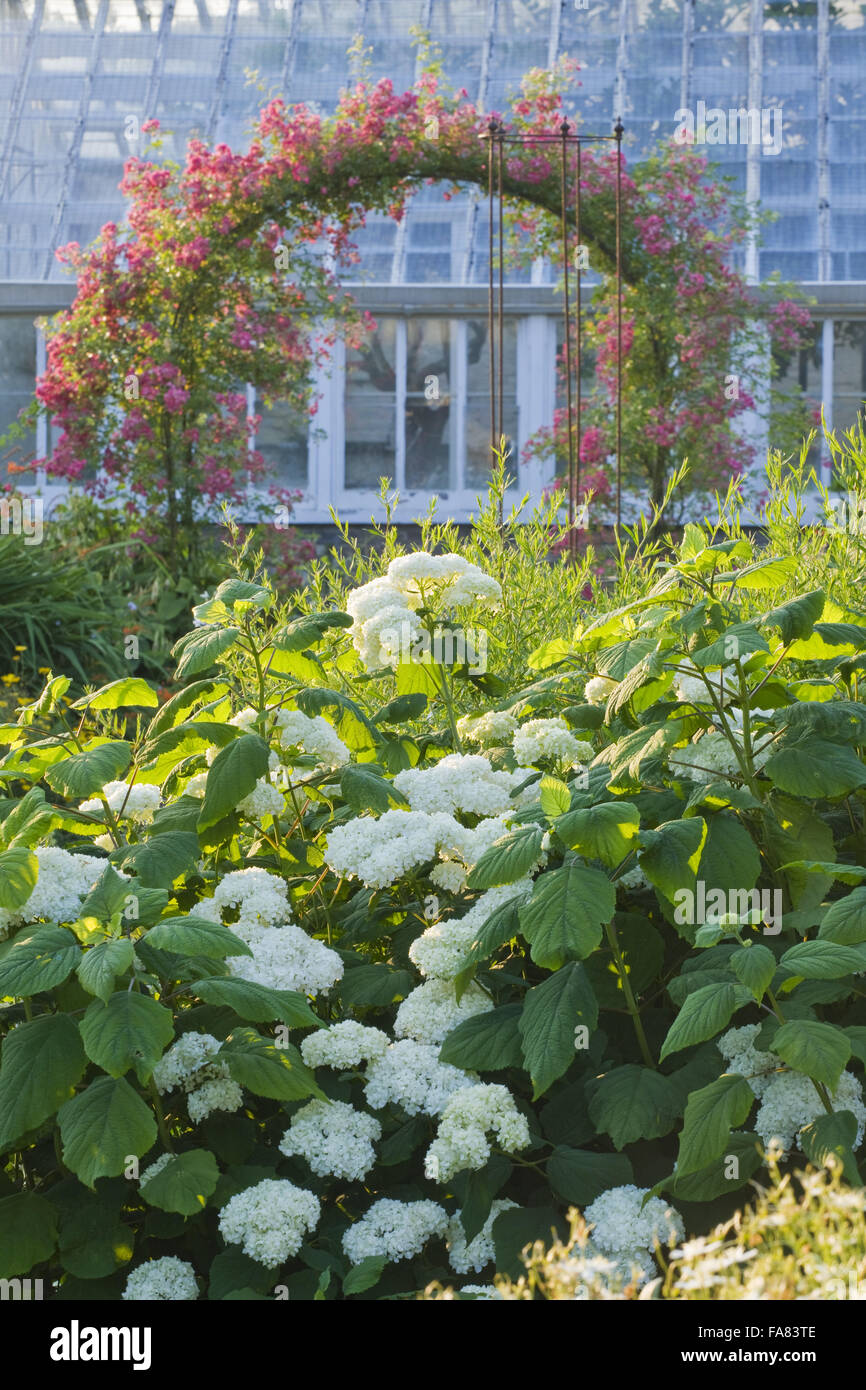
(384, 626)
(482, 1291)
(496, 727)
(313, 736)
(599, 689)
(708, 757)
(63, 882)
(737, 1046)
(626, 1230)
(167, 1279)
(270, 1220)
(197, 785)
(263, 800)
(457, 782)
(480, 1251)
(464, 846)
(691, 689)
(221, 1093)
(286, 958)
(397, 1230)
(461, 1138)
(192, 1055)
(430, 1012)
(334, 1138)
(449, 875)
(261, 898)
(410, 1074)
(635, 878)
(539, 739)
(790, 1101)
(344, 1046)
(380, 851)
(244, 719)
(440, 952)
(138, 802)
(452, 580)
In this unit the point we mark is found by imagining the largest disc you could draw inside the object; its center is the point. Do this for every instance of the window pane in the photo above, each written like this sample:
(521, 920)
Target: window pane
(478, 454)
(849, 373)
(282, 439)
(428, 403)
(371, 407)
(17, 382)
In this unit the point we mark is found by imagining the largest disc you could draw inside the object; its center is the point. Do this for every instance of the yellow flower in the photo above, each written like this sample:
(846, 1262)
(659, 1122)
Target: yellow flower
(11, 679)
(43, 670)
(20, 649)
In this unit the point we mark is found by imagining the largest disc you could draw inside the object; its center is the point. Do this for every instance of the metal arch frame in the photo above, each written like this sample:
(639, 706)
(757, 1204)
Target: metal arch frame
(498, 137)
(18, 96)
(154, 82)
(218, 102)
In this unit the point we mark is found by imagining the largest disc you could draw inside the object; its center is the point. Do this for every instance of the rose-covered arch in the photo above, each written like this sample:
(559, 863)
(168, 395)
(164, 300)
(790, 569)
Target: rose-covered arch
(226, 271)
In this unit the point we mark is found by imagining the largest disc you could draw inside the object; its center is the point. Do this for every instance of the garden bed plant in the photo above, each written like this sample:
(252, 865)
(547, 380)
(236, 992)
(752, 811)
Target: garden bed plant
(347, 970)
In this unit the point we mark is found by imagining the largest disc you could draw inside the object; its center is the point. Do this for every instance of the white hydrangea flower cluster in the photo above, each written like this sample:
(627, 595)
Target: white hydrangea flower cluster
(457, 782)
(286, 958)
(635, 878)
(384, 625)
(344, 1046)
(440, 952)
(244, 719)
(138, 802)
(691, 689)
(710, 756)
(626, 1230)
(270, 1220)
(63, 882)
(599, 689)
(488, 1292)
(461, 1138)
(790, 1101)
(192, 1064)
(410, 1074)
(263, 800)
(261, 898)
(455, 582)
(313, 736)
(167, 1279)
(378, 852)
(334, 1138)
(430, 1012)
(737, 1046)
(552, 739)
(480, 1250)
(463, 848)
(492, 729)
(397, 1230)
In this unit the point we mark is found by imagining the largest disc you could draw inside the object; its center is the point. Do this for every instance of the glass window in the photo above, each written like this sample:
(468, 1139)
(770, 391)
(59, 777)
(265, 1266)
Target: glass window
(371, 407)
(17, 382)
(478, 452)
(429, 417)
(849, 372)
(282, 438)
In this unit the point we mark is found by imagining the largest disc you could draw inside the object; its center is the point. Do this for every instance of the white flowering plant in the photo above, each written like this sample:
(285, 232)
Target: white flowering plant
(350, 968)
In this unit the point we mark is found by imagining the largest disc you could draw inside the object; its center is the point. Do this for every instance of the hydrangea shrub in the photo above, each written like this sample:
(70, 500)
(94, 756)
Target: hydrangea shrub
(353, 966)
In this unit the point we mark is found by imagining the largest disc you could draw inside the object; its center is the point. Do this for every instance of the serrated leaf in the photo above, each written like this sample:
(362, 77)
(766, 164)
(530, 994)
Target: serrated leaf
(38, 959)
(196, 936)
(817, 1049)
(374, 984)
(845, 920)
(85, 774)
(102, 1127)
(704, 1014)
(824, 960)
(257, 1002)
(42, 1061)
(816, 770)
(580, 1176)
(199, 649)
(605, 831)
(833, 1135)
(555, 796)
(564, 918)
(157, 862)
(19, 871)
(552, 1011)
(130, 1030)
(711, 1114)
(128, 692)
(485, 1042)
(267, 1070)
(672, 854)
(509, 859)
(232, 776)
(754, 966)
(365, 789)
(364, 1275)
(632, 1103)
(184, 1183)
(28, 1233)
(101, 965)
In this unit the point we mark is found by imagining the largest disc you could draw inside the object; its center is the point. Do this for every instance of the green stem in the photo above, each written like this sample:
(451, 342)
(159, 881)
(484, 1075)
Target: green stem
(160, 1116)
(631, 1003)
